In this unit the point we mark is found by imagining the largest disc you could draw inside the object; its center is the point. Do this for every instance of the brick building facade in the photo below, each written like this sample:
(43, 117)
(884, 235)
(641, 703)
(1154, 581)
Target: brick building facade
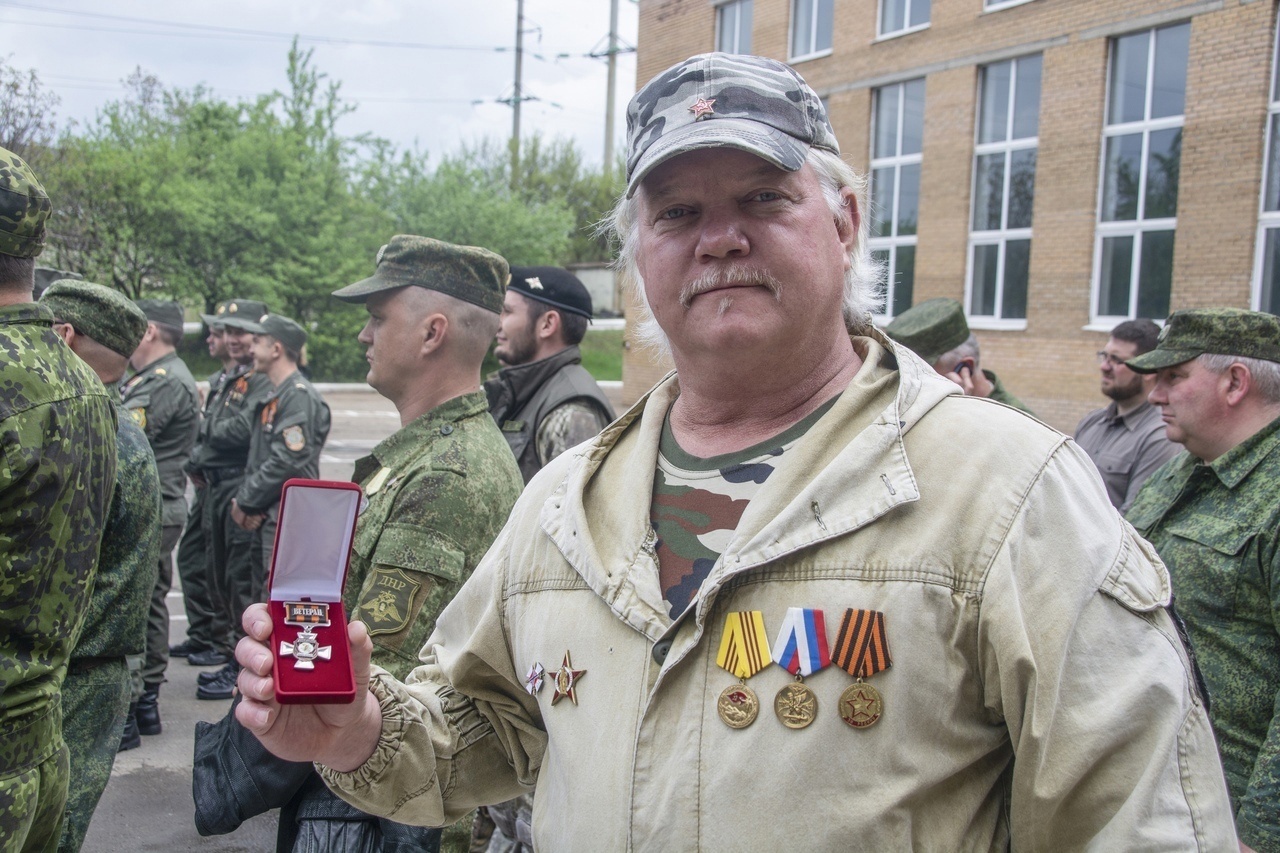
(1056, 165)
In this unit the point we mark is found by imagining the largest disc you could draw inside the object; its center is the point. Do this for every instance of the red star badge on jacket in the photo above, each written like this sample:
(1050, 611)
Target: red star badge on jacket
(702, 108)
(567, 681)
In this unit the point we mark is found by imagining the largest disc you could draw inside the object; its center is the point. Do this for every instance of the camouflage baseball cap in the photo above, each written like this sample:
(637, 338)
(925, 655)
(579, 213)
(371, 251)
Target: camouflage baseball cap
(1221, 331)
(24, 208)
(106, 315)
(166, 312)
(930, 329)
(235, 313)
(724, 100)
(280, 327)
(468, 273)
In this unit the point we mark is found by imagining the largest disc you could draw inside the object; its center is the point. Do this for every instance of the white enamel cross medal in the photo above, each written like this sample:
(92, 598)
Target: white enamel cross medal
(305, 648)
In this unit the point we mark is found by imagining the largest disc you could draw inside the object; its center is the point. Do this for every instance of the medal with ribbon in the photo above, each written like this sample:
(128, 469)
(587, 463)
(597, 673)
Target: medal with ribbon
(861, 650)
(744, 651)
(801, 649)
(305, 649)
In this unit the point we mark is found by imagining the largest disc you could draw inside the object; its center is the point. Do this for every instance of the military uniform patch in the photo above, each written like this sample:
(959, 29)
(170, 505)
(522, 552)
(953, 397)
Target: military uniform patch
(387, 606)
(139, 417)
(294, 438)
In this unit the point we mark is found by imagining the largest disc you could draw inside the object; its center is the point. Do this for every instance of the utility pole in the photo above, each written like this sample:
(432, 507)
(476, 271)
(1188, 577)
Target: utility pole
(613, 80)
(517, 96)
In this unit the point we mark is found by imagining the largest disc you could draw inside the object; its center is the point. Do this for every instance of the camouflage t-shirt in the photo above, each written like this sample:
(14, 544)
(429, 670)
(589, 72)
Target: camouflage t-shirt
(1217, 528)
(697, 504)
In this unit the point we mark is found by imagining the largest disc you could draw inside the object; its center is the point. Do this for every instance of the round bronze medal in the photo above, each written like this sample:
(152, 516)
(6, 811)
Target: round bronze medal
(796, 705)
(860, 705)
(738, 706)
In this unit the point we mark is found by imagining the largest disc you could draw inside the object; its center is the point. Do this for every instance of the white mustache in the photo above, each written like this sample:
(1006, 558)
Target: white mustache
(722, 276)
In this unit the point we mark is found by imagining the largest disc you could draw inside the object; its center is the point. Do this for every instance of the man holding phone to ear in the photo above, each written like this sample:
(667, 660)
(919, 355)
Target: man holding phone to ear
(937, 332)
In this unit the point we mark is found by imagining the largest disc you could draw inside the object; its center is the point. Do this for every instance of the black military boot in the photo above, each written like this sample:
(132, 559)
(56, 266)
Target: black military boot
(148, 713)
(132, 738)
(221, 686)
(219, 674)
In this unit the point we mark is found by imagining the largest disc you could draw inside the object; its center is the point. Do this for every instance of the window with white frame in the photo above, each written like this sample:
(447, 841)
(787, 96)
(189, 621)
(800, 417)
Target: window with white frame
(733, 26)
(1267, 269)
(1142, 152)
(901, 16)
(896, 144)
(811, 25)
(989, 5)
(1004, 184)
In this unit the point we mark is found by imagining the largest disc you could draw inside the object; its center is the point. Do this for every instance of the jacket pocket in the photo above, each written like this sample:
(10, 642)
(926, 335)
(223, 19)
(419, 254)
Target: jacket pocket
(1139, 583)
(1208, 554)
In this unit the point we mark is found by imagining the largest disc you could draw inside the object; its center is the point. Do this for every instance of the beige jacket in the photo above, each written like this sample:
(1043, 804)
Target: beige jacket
(1039, 695)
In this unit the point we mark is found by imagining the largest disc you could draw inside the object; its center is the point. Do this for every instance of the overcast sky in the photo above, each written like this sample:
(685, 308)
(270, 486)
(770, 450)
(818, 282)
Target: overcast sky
(427, 72)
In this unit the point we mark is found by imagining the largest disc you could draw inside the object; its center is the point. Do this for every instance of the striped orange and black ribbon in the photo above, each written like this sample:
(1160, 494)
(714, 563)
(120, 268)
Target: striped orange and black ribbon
(862, 648)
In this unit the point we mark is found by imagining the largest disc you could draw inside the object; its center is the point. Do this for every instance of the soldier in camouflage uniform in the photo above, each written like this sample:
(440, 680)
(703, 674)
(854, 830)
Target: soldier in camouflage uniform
(439, 489)
(287, 432)
(1213, 514)
(937, 331)
(58, 429)
(102, 326)
(162, 398)
(218, 465)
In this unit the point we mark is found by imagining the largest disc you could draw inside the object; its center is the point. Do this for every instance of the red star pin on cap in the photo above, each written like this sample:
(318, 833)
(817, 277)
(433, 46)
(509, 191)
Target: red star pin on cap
(567, 681)
(702, 108)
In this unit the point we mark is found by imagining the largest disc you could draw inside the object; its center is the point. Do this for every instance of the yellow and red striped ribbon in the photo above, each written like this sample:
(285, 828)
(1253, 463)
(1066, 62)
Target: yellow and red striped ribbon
(862, 648)
(744, 648)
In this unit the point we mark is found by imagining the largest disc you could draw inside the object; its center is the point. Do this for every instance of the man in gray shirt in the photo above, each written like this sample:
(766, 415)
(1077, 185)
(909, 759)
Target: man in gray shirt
(1126, 439)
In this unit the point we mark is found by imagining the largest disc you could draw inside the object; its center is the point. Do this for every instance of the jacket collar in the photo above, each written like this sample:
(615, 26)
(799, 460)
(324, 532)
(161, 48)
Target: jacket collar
(848, 470)
(512, 387)
(1238, 463)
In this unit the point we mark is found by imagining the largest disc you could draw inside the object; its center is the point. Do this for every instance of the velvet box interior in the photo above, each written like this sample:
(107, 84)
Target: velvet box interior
(308, 570)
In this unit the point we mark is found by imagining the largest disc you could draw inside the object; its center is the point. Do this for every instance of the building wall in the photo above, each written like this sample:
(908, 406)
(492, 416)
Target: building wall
(1050, 363)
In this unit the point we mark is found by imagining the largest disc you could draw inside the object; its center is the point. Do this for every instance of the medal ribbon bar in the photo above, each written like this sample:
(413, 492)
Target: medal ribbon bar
(744, 648)
(862, 648)
(801, 646)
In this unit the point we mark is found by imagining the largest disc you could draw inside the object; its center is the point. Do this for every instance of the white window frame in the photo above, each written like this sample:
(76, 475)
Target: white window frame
(1138, 227)
(1000, 236)
(897, 161)
(1268, 220)
(737, 7)
(1001, 5)
(813, 54)
(907, 27)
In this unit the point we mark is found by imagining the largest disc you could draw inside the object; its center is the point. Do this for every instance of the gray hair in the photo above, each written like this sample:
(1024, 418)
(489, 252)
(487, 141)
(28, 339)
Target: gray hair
(863, 284)
(950, 358)
(1265, 375)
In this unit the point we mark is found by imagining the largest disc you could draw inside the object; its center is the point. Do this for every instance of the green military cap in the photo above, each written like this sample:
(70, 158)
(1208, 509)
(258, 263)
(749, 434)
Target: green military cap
(280, 327)
(163, 311)
(1219, 331)
(930, 329)
(468, 273)
(24, 208)
(106, 315)
(236, 313)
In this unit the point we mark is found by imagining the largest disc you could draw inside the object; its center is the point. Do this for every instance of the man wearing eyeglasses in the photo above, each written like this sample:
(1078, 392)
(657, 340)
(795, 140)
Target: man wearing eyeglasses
(1126, 439)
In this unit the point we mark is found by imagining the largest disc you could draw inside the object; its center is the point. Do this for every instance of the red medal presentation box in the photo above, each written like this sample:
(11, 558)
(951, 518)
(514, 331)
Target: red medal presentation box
(308, 569)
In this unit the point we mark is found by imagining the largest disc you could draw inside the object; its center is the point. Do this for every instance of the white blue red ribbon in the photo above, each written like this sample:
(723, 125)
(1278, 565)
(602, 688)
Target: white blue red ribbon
(801, 646)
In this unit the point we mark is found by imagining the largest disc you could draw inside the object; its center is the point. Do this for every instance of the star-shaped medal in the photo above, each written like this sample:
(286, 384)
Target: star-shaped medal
(702, 108)
(533, 681)
(567, 680)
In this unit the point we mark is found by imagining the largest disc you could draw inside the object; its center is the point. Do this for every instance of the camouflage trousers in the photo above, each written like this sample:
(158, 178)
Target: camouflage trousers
(33, 783)
(95, 700)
